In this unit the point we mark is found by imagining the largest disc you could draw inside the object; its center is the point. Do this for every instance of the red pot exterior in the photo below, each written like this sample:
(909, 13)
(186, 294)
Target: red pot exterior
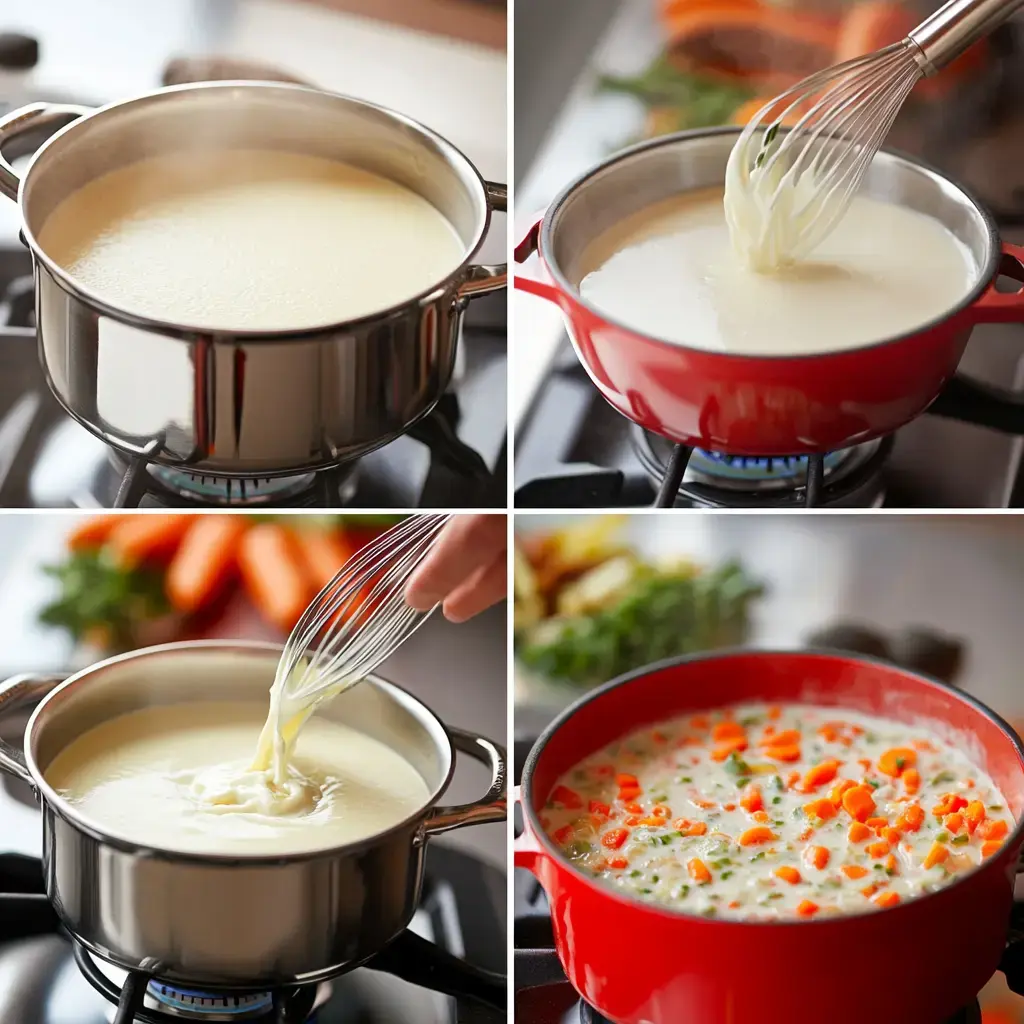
(917, 963)
(742, 405)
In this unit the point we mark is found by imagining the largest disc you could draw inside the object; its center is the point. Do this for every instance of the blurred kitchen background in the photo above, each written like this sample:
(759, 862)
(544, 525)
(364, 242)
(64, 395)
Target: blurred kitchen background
(594, 76)
(458, 671)
(597, 595)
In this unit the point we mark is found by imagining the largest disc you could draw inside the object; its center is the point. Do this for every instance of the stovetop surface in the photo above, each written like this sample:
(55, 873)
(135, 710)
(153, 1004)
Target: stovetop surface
(453, 458)
(588, 455)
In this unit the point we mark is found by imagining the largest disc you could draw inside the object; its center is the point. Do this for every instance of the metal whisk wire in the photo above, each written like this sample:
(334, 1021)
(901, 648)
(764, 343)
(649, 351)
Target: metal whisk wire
(844, 114)
(360, 617)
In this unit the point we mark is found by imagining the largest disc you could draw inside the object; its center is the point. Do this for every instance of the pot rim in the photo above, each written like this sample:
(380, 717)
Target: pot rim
(432, 294)
(986, 273)
(95, 830)
(602, 889)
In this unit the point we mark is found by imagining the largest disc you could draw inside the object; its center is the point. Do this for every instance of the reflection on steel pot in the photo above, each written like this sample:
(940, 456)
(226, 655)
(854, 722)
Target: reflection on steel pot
(681, 967)
(769, 405)
(239, 921)
(255, 403)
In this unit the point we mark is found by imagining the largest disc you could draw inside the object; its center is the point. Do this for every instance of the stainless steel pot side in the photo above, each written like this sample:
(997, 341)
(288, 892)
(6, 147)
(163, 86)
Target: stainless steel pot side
(254, 404)
(234, 921)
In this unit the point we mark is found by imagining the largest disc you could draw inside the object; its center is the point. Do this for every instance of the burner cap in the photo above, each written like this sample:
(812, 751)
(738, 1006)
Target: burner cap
(761, 473)
(222, 490)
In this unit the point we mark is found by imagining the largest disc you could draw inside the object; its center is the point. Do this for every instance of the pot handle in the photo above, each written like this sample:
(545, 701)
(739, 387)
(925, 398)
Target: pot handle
(523, 251)
(15, 693)
(483, 278)
(492, 806)
(1003, 307)
(31, 120)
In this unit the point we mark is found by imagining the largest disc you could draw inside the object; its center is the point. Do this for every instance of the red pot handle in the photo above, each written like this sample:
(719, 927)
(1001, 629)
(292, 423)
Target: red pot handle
(1003, 307)
(526, 851)
(523, 251)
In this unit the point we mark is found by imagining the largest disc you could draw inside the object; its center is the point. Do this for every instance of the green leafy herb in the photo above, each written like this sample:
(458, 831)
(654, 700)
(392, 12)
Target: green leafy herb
(735, 765)
(776, 799)
(961, 840)
(757, 856)
(726, 874)
(943, 777)
(634, 874)
(942, 837)
(684, 778)
(100, 598)
(777, 783)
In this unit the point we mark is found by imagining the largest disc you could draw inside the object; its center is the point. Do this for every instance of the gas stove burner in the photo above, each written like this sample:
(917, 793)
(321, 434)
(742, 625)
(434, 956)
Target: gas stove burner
(764, 474)
(220, 490)
(849, 478)
(193, 1005)
(588, 1015)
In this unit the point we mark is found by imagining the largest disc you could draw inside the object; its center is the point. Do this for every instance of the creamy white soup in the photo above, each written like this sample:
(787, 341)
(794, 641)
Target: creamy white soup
(670, 271)
(250, 240)
(182, 778)
(768, 812)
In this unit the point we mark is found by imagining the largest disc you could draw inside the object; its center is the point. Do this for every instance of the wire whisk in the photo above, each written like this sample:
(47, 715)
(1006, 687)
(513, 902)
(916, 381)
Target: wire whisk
(800, 161)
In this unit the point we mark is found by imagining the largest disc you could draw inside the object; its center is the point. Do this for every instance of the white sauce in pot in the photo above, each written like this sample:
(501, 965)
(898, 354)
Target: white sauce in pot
(757, 812)
(670, 271)
(181, 778)
(250, 240)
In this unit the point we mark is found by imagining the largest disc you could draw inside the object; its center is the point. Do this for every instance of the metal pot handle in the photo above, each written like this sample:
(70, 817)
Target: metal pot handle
(15, 693)
(30, 121)
(492, 806)
(482, 278)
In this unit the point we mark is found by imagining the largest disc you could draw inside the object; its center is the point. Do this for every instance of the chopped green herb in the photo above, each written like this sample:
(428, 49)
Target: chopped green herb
(750, 720)
(775, 895)
(995, 807)
(870, 737)
(647, 892)
(577, 848)
(942, 777)
(684, 778)
(660, 799)
(778, 783)
(776, 799)
(735, 765)
(726, 874)
(758, 856)
(890, 872)
(634, 874)
(878, 867)
(874, 783)
(831, 883)
(710, 912)
(942, 837)
(655, 879)
(961, 840)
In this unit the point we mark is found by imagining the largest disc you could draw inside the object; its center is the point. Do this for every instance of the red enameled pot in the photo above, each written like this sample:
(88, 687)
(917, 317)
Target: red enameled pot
(917, 963)
(772, 405)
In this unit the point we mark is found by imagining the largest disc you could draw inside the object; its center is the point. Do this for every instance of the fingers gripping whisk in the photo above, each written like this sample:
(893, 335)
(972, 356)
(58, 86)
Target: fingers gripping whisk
(359, 618)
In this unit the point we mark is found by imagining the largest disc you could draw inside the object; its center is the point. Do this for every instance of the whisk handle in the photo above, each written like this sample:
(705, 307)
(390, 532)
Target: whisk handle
(943, 36)
(493, 806)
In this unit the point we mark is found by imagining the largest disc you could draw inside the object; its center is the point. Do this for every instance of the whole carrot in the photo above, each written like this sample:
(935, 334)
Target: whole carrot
(204, 561)
(323, 553)
(93, 530)
(274, 577)
(143, 537)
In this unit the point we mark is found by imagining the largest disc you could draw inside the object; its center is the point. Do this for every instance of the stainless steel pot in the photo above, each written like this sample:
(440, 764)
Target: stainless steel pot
(246, 404)
(233, 920)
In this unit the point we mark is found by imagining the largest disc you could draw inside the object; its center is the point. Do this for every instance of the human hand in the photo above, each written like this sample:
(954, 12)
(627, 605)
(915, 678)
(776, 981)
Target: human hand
(466, 570)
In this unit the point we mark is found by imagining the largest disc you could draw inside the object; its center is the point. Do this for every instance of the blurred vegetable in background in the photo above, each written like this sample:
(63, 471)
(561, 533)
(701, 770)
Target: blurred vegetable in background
(588, 607)
(129, 580)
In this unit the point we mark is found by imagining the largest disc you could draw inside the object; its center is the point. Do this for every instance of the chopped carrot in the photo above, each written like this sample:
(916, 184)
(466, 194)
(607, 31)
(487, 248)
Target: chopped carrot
(204, 561)
(633, 807)
(836, 796)
(774, 713)
(93, 531)
(891, 836)
(661, 811)
(818, 857)
(911, 819)
(651, 821)
(632, 820)
(728, 807)
(788, 874)
(614, 838)
(629, 793)
(567, 797)
(806, 834)
(820, 774)
(690, 828)
(859, 803)
(626, 781)
(762, 817)
(735, 904)
(145, 538)
(891, 864)
(273, 577)
(752, 800)
(728, 730)
(993, 829)
(948, 804)
(893, 762)
(854, 871)
(974, 815)
(821, 809)
(618, 863)
(922, 745)
(954, 822)
(599, 807)
(698, 871)
(990, 846)
(783, 754)
(887, 899)
(563, 835)
(787, 738)
(807, 908)
(876, 851)
(681, 824)
(828, 732)
(865, 763)
(792, 780)
(876, 823)
(858, 832)
(870, 890)
(735, 744)
(699, 722)
(936, 855)
(706, 805)
(912, 780)
(755, 835)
